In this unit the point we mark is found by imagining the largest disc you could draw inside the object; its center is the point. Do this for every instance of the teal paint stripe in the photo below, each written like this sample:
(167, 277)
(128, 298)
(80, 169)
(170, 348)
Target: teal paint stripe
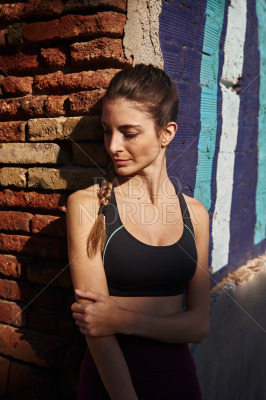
(208, 109)
(191, 234)
(109, 241)
(260, 227)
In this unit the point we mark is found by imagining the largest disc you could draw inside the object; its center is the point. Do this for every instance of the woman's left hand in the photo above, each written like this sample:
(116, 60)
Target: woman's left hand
(97, 317)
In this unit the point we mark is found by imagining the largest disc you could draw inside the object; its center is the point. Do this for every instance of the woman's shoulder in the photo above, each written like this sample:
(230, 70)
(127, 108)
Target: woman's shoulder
(198, 213)
(82, 206)
(87, 195)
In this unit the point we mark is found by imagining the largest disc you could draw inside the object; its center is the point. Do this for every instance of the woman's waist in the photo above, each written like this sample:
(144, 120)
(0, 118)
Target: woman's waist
(156, 305)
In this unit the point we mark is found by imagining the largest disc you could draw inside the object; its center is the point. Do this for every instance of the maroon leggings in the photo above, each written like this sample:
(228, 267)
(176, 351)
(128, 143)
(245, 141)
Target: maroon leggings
(159, 371)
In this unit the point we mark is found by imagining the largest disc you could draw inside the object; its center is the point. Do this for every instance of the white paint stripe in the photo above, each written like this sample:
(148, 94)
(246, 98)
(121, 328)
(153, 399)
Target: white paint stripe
(232, 69)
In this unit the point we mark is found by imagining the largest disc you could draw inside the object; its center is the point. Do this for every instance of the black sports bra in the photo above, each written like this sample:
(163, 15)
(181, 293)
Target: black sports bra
(134, 268)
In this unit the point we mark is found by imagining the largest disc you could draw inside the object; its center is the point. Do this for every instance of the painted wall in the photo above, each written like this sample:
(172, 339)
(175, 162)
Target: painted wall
(214, 50)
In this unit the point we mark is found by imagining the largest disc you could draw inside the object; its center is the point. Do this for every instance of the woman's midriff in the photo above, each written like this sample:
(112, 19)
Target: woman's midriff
(163, 305)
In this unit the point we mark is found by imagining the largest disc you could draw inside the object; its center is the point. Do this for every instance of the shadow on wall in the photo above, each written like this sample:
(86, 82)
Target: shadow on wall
(53, 341)
(230, 361)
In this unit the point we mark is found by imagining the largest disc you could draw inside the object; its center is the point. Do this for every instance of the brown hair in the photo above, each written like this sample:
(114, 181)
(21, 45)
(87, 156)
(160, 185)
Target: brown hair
(150, 88)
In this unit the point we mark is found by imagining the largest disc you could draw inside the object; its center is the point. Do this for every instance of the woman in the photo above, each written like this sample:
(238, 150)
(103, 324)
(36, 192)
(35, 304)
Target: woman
(138, 248)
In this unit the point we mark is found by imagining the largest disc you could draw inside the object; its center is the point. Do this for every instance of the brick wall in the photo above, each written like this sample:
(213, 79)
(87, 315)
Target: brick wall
(56, 60)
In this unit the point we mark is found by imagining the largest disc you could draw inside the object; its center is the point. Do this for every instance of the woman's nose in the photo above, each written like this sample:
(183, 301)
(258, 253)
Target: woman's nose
(114, 144)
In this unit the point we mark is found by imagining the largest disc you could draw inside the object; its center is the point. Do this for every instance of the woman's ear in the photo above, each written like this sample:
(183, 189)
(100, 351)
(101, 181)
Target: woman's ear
(168, 133)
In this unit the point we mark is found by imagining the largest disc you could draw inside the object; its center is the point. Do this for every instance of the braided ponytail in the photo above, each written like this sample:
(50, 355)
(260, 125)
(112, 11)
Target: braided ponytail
(96, 239)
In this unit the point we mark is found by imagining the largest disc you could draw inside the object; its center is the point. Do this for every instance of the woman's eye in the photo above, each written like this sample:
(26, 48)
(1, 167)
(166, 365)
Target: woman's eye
(128, 136)
(106, 132)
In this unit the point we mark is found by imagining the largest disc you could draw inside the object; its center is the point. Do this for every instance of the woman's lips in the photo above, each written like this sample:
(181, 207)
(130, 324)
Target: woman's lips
(120, 163)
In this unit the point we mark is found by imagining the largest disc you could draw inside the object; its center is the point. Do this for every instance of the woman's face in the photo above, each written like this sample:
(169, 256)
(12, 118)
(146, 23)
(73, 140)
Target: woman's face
(130, 137)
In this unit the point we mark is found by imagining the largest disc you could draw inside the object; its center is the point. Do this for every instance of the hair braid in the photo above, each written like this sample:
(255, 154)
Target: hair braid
(96, 239)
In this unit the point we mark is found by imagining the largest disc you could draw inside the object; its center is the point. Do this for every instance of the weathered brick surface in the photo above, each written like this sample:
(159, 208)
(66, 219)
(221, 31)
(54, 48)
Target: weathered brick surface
(53, 89)
(58, 275)
(3, 33)
(46, 247)
(74, 5)
(33, 347)
(16, 86)
(33, 200)
(4, 372)
(104, 51)
(85, 128)
(19, 11)
(85, 80)
(83, 102)
(54, 57)
(10, 109)
(14, 34)
(33, 153)
(12, 131)
(42, 129)
(9, 290)
(64, 178)
(49, 225)
(15, 221)
(55, 106)
(13, 177)
(74, 128)
(28, 382)
(11, 313)
(89, 154)
(75, 26)
(10, 266)
(49, 298)
(25, 62)
(33, 106)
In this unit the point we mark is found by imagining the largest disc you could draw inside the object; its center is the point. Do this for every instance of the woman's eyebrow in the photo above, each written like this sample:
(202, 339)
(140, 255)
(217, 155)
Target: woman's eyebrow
(126, 126)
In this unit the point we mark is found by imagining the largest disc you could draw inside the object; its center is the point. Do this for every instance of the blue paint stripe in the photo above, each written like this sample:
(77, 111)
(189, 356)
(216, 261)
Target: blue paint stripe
(109, 241)
(260, 227)
(208, 110)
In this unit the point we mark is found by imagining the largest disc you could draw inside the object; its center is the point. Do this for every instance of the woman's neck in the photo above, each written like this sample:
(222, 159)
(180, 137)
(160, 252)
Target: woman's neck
(149, 187)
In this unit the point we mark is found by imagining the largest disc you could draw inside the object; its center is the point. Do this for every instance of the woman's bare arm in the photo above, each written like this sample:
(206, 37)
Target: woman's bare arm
(88, 274)
(106, 316)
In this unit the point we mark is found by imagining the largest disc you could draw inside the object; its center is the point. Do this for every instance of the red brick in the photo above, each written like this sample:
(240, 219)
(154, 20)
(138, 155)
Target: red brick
(49, 225)
(28, 382)
(85, 80)
(11, 313)
(45, 350)
(15, 221)
(4, 373)
(57, 276)
(75, 26)
(44, 247)
(17, 86)
(3, 37)
(10, 13)
(55, 57)
(83, 102)
(10, 109)
(33, 200)
(9, 290)
(104, 51)
(12, 131)
(10, 266)
(20, 62)
(86, 5)
(55, 106)
(33, 106)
